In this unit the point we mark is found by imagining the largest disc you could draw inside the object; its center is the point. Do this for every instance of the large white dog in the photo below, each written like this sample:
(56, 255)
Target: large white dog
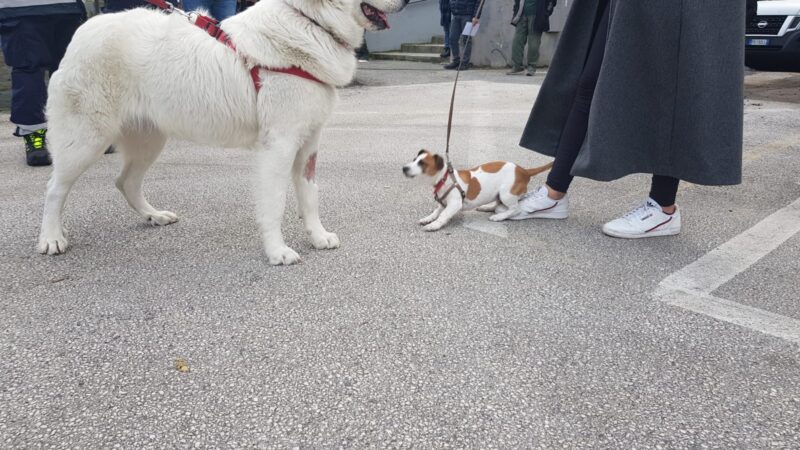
(134, 79)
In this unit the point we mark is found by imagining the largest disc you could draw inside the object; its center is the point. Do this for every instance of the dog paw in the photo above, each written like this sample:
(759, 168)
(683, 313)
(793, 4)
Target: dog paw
(283, 256)
(52, 246)
(162, 218)
(425, 221)
(500, 217)
(323, 241)
(433, 227)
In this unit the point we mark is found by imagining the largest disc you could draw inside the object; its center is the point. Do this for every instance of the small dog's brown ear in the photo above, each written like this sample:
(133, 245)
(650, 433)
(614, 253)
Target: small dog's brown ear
(439, 162)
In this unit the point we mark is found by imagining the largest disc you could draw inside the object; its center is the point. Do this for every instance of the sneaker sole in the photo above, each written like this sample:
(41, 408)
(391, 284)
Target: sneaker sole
(38, 158)
(554, 216)
(659, 233)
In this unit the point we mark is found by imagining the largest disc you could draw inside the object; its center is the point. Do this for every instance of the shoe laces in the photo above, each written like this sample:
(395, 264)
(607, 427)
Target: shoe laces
(640, 210)
(536, 193)
(35, 140)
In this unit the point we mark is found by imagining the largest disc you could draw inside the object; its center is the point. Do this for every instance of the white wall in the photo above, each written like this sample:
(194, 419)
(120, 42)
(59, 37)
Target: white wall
(492, 46)
(418, 22)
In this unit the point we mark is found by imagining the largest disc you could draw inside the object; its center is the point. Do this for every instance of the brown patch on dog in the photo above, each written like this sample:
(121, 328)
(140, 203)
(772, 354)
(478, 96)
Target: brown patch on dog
(521, 180)
(432, 164)
(474, 189)
(473, 185)
(522, 177)
(493, 167)
(311, 168)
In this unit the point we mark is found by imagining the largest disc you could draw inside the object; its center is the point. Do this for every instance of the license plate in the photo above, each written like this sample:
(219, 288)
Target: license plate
(758, 42)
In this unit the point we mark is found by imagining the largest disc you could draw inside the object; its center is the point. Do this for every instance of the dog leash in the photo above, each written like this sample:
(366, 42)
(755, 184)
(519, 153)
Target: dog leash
(450, 171)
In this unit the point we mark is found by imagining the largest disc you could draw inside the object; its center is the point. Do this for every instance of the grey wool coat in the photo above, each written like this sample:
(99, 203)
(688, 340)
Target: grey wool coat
(669, 99)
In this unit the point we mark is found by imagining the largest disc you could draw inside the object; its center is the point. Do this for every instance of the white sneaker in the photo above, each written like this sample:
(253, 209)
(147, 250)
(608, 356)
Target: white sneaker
(537, 205)
(648, 220)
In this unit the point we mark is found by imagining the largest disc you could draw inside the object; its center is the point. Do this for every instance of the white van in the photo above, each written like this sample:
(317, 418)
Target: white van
(773, 36)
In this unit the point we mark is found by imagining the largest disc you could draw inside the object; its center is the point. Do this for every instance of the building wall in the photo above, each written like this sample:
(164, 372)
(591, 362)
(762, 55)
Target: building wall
(492, 46)
(418, 22)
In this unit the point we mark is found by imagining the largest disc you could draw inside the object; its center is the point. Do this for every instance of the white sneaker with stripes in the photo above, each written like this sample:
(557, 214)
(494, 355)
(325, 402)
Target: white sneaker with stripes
(535, 205)
(647, 220)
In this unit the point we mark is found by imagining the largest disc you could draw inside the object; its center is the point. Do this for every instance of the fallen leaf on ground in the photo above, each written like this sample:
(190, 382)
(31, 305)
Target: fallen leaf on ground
(181, 365)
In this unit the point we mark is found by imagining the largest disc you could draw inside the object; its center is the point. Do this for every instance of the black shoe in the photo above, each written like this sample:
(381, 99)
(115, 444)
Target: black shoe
(445, 53)
(36, 153)
(453, 65)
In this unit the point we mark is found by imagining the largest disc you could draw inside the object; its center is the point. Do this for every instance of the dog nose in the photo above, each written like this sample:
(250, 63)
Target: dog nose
(405, 170)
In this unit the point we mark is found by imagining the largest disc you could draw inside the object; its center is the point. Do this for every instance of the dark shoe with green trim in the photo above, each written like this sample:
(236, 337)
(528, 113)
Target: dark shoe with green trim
(36, 153)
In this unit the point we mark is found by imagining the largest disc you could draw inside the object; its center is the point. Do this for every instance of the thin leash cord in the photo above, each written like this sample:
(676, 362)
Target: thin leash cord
(467, 41)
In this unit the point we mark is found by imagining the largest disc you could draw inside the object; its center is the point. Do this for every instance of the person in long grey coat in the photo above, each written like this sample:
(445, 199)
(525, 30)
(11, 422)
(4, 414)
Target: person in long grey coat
(641, 86)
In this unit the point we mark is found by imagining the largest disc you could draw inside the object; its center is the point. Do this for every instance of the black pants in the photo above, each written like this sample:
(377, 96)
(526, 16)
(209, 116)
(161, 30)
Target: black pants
(32, 46)
(662, 189)
(122, 5)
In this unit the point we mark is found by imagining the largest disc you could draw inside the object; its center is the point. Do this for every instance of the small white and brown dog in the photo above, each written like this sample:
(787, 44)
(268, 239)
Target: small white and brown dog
(491, 187)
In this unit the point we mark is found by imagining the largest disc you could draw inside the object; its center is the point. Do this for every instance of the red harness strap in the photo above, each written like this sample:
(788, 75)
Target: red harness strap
(211, 26)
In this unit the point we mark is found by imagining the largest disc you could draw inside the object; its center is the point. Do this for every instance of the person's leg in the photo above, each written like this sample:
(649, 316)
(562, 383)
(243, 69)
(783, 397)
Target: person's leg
(455, 38)
(559, 179)
(63, 29)
(664, 190)
(446, 52)
(193, 5)
(222, 9)
(534, 41)
(25, 51)
(467, 52)
(113, 6)
(518, 45)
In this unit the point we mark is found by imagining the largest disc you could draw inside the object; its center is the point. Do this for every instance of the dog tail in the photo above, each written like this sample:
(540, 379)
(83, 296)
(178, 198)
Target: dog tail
(537, 170)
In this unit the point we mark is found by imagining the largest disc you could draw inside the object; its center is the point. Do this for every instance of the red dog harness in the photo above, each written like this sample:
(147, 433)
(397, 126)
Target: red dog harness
(211, 26)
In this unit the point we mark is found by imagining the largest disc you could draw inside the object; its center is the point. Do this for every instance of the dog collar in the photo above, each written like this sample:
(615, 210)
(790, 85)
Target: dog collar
(440, 184)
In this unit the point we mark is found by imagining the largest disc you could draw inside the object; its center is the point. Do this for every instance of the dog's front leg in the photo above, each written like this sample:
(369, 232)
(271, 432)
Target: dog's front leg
(454, 204)
(272, 180)
(434, 215)
(305, 182)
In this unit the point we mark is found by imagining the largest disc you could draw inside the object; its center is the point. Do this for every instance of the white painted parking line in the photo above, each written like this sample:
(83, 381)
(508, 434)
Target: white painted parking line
(485, 226)
(692, 287)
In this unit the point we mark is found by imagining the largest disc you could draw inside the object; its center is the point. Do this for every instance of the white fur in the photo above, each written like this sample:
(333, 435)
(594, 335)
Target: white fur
(494, 196)
(136, 78)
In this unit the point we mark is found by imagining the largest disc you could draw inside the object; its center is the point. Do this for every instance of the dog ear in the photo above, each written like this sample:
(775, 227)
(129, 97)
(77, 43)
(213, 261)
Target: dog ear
(439, 162)
(422, 151)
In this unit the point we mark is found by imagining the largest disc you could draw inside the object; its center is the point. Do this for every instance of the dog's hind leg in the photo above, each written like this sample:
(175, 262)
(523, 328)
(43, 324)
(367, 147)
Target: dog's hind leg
(508, 201)
(304, 175)
(489, 207)
(139, 150)
(74, 149)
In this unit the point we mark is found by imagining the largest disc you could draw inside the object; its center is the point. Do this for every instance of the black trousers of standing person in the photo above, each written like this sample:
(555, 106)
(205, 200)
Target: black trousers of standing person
(663, 189)
(32, 47)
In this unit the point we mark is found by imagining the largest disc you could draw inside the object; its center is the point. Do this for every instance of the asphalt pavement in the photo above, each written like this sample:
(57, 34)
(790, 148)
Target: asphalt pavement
(482, 335)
